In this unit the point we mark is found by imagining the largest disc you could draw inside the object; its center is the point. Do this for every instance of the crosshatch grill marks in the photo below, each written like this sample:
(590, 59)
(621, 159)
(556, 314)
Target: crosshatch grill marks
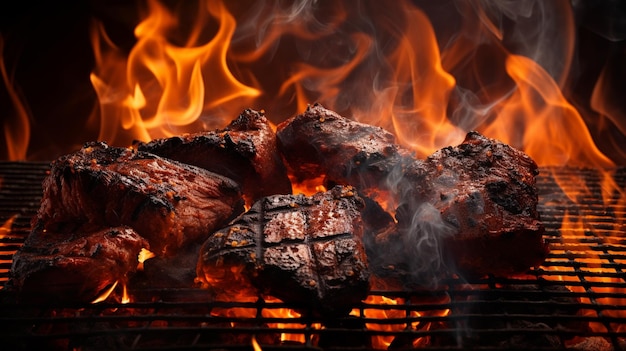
(297, 248)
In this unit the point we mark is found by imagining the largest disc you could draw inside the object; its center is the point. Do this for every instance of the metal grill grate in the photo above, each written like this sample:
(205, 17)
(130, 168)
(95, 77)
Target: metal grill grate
(577, 298)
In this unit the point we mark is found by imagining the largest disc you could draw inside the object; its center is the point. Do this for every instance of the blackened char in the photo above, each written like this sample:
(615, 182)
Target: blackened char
(475, 205)
(54, 266)
(305, 250)
(171, 204)
(322, 143)
(244, 151)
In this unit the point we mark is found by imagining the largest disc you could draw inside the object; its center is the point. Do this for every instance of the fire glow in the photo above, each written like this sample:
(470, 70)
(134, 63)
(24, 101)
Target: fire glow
(177, 80)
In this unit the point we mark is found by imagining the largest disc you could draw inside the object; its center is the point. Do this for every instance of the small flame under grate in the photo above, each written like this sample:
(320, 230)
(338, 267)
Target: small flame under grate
(577, 298)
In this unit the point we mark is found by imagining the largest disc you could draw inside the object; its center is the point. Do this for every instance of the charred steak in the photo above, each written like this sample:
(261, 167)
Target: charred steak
(169, 203)
(321, 143)
(305, 250)
(74, 268)
(474, 206)
(244, 151)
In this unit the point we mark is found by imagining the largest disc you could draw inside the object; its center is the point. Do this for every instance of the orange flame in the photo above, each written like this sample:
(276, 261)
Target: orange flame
(296, 337)
(383, 342)
(105, 294)
(539, 120)
(5, 229)
(255, 344)
(168, 85)
(419, 78)
(144, 255)
(161, 86)
(608, 102)
(594, 269)
(123, 298)
(196, 65)
(16, 130)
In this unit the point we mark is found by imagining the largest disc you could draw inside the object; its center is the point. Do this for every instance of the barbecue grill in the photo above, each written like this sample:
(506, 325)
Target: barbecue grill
(577, 296)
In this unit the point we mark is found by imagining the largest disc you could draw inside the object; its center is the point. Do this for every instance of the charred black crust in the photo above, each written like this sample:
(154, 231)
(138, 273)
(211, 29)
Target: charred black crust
(249, 119)
(320, 142)
(101, 186)
(290, 267)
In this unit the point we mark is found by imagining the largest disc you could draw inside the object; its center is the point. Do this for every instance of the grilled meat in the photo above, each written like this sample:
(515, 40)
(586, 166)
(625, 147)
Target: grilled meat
(321, 143)
(493, 206)
(77, 267)
(475, 205)
(300, 249)
(470, 208)
(244, 151)
(169, 203)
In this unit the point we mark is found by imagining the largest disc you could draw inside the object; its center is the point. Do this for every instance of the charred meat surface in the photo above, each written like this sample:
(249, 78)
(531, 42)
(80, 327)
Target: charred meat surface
(74, 268)
(300, 249)
(475, 205)
(171, 204)
(486, 191)
(321, 143)
(244, 151)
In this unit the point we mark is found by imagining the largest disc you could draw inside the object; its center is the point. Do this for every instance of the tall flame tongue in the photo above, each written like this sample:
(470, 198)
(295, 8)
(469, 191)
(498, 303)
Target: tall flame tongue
(161, 87)
(16, 130)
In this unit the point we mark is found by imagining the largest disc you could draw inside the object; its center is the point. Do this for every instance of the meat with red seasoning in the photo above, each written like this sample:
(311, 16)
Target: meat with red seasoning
(76, 267)
(305, 250)
(244, 151)
(171, 204)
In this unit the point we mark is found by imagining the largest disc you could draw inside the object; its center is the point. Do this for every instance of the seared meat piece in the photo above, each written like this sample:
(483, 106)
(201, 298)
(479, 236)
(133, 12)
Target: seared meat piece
(300, 249)
(169, 203)
(74, 268)
(475, 205)
(321, 143)
(486, 191)
(244, 151)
